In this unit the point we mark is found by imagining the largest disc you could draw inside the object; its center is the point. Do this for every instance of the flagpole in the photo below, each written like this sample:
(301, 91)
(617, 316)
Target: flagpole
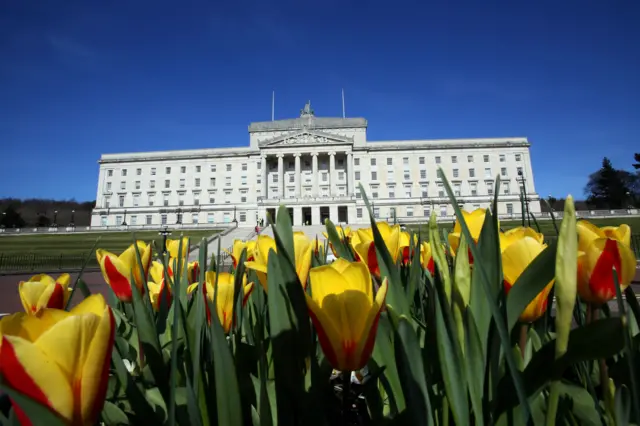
(273, 105)
(343, 111)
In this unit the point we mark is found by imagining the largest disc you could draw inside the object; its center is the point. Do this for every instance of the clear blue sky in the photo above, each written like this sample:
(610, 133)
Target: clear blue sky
(79, 78)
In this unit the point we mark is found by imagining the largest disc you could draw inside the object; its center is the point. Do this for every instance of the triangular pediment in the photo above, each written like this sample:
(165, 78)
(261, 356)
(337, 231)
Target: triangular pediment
(307, 137)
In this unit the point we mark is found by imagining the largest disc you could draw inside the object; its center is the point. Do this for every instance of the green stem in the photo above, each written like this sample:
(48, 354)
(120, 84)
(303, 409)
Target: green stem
(524, 333)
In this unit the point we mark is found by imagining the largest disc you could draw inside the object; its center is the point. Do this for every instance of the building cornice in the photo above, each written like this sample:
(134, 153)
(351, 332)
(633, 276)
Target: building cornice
(308, 122)
(443, 144)
(199, 154)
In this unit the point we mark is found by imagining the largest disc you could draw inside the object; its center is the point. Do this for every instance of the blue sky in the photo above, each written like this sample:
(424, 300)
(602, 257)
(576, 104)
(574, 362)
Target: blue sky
(79, 78)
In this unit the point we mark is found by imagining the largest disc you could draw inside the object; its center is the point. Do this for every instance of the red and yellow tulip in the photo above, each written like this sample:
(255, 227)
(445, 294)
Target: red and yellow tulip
(474, 221)
(236, 251)
(426, 258)
(224, 299)
(173, 247)
(302, 247)
(516, 234)
(515, 259)
(363, 244)
(60, 359)
(600, 251)
(42, 291)
(158, 287)
(117, 270)
(345, 312)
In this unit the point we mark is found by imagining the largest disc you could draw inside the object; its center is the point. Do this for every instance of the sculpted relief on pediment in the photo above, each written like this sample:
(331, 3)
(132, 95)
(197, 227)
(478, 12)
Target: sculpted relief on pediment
(306, 139)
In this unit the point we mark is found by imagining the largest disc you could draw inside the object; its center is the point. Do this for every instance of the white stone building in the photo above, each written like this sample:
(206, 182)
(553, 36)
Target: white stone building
(313, 165)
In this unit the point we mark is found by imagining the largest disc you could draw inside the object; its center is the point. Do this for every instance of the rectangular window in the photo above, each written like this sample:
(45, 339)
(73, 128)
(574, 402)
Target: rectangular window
(183, 169)
(137, 184)
(167, 183)
(107, 203)
(243, 180)
(390, 161)
(376, 212)
(487, 173)
(357, 175)
(325, 177)
(243, 199)
(167, 170)
(454, 158)
(149, 219)
(198, 169)
(509, 208)
(153, 171)
(243, 216)
(123, 185)
(390, 175)
(440, 190)
(210, 218)
(503, 171)
(437, 160)
(470, 158)
(374, 175)
(181, 200)
(292, 178)
(485, 158)
(109, 173)
(197, 182)
(405, 161)
(426, 212)
(409, 211)
(472, 173)
(121, 201)
(359, 212)
(151, 199)
(118, 220)
(519, 171)
(196, 199)
(374, 194)
(518, 157)
(425, 191)
(227, 181)
(212, 168)
(244, 167)
(392, 193)
(194, 218)
(373, 161)
(275, 178)
(165, 200)
(163, 219)
(407, 176)
(134, 219)
(108, 186)
(152, 184)
(212, 199)
(474, 188)
(423, 174)
(124, 172)
(456, 189)
(506, 189)
(136, 200)
(407, 191)
(356, 161)
(229, 167)
(443, 211)
(182, 183)
(490, 188)
(456, 173)
(421, 160)
(212, 182)
(138, 172)
(502, 158)
(340, 175)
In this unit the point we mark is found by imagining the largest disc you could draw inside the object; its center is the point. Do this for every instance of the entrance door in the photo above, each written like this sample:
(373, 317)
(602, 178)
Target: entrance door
(306, 216)
(290, 210)
(343, 216)
(324, 214)
(270, 213)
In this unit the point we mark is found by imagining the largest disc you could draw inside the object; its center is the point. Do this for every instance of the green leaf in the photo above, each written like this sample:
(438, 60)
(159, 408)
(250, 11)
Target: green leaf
(475, 367)
(566, 276)
(622, 406)
(338, 244)
(412, 374)
(451, 358)
(462, 277)
(530, 283)
(383, 355)
(416, 277)
(227, 391)
(583, 407)
(600, 339)
(490, 284)
(85, 290)
(388, 269)
(439, 258)
(284, 231)
(112, 415)
(38, 414)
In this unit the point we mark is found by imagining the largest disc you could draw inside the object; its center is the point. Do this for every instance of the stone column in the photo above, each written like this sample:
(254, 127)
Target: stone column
(265, 183)
(332, 170)
(280, 176)
(298, 174)
(351, 187)
(314, 173)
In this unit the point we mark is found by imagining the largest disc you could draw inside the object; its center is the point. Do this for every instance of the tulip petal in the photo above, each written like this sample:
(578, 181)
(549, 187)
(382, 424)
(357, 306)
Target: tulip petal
(115, 273)
(367, 341)
(31, 292)
(602, 256)
(64, 280)
(328, 336)
(261, 271)
(32, 372)
(517, 256)
(57, 297)
(587, 233)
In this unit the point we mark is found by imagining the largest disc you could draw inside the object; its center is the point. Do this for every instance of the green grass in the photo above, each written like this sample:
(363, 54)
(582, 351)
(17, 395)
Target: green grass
(80, 244)
(546, 226)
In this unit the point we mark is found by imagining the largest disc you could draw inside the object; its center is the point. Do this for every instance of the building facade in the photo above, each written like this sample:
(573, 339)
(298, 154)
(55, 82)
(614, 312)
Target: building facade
(313, 165)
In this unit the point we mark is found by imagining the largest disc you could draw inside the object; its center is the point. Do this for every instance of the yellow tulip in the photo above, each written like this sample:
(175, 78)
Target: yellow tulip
(363, 244)
(426, 258)
(173, 246)
(302, 247)
(42, 291)
(236, 251)
(158, 288)
(117, 270)
(516, 234)
(343, 233)
(60, 359)
(601, 250)
(515, 259)
(474, 221)
(224, 298)
(344, 312)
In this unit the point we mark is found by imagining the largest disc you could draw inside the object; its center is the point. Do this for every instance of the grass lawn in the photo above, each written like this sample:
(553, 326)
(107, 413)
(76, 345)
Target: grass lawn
(546, 226)
(80, 244)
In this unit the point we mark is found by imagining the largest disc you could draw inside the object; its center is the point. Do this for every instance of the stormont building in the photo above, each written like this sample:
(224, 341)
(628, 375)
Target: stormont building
(314, 166)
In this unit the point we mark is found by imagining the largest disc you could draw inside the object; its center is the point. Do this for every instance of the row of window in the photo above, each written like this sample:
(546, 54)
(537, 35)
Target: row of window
(488, 174)
(148, 219)
(183, 169)
(181, 184)
(438, 159)
(426, 211)
(151, 199)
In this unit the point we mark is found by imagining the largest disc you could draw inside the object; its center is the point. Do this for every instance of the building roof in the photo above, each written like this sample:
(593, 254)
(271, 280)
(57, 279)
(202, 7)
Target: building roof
(308, 122)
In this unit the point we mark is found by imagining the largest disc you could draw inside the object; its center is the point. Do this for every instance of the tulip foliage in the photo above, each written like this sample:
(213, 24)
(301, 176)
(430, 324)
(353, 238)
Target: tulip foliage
(479, 327)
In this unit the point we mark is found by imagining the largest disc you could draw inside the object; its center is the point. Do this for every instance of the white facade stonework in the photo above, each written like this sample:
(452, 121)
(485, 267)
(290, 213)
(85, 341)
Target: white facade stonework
(313, 165)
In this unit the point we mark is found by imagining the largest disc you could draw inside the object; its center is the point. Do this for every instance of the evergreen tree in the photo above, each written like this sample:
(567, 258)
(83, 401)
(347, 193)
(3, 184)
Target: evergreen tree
(608, 187)
(11, 218)
(636, 158)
